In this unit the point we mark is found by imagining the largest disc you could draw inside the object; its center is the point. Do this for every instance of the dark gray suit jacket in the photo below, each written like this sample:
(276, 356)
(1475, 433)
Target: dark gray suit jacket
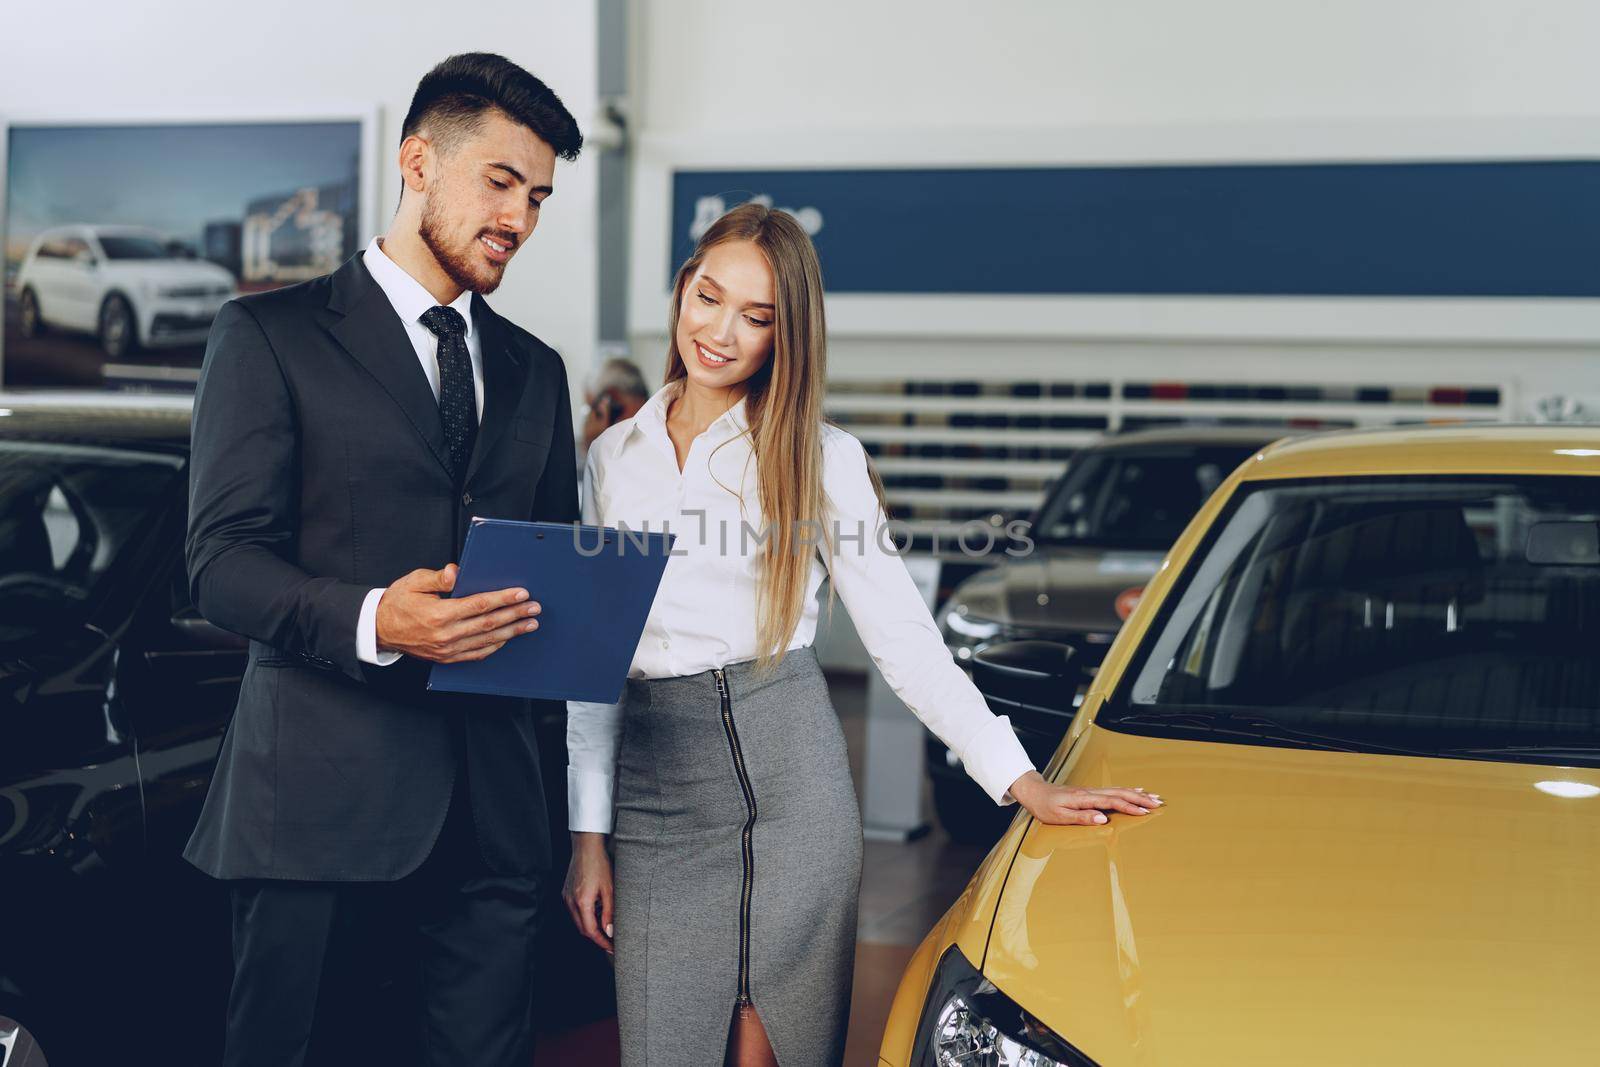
(319, 473)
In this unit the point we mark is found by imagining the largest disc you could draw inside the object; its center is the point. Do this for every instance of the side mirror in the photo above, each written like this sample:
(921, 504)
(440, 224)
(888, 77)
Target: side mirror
(1027, 679)
(85, 258)
(203, 634)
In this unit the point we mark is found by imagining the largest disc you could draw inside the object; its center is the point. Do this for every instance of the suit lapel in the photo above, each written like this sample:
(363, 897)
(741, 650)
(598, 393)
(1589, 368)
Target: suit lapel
(504, 373)
(372, 333)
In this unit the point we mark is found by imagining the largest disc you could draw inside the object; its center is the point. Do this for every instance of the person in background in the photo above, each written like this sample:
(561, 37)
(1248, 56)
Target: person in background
(617, 392)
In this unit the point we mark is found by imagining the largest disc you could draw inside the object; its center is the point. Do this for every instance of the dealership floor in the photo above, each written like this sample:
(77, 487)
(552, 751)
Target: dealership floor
(904, 889)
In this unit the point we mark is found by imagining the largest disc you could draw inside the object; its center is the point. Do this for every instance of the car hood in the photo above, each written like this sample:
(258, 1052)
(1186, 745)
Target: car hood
(1309, 907)
(170, 272)
(1068, 589)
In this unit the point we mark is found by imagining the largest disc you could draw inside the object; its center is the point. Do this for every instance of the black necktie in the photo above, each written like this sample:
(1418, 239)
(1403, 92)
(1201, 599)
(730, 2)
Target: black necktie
(458, 405)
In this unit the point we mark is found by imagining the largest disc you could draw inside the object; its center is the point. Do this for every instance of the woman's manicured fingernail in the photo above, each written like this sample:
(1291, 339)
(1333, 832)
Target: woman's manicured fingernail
(1099, 817)
(608, 930)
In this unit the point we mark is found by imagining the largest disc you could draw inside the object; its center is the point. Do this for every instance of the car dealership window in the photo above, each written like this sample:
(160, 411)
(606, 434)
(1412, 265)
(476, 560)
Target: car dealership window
(1458, 616)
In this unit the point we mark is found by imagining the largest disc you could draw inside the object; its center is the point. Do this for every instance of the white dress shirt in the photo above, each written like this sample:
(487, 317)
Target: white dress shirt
(704, 614)
(410, 302)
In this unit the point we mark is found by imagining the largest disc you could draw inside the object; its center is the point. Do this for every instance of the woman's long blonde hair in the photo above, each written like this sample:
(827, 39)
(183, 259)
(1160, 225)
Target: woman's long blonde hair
(783, 405)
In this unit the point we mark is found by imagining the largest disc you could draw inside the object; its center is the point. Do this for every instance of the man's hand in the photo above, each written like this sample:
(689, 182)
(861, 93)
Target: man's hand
(416, 617)
(1064, 805)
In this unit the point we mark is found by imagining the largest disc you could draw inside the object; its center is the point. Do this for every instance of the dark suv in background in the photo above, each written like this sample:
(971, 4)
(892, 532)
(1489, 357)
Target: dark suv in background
(1097, 539)
(113, 697)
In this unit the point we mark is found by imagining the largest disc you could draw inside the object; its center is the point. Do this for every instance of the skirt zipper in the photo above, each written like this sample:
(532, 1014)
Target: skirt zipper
(746, 845)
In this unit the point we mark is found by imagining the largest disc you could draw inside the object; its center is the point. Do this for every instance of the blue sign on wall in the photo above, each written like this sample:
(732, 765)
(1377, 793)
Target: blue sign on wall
(1506, 229)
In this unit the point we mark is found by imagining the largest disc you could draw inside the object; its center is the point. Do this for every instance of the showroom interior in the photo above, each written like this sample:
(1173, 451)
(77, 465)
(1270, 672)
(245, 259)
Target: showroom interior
(1087, 267)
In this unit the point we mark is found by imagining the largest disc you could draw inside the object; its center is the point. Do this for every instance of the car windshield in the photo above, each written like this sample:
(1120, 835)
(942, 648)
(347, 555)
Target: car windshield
(1138, 499)
(67, 513)
(132, 246)
(1428, 616)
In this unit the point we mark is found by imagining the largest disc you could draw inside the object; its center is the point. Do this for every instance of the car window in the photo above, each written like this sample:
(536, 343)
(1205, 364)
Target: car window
(1123, 498)
(1432, 615)
(126, 246)
(72, 247)
(67, 513)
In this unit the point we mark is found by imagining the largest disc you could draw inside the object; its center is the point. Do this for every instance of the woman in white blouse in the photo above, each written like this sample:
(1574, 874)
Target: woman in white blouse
(721, 777)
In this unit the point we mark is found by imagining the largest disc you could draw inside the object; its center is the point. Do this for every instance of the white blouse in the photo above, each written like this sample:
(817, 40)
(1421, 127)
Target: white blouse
(704, 613)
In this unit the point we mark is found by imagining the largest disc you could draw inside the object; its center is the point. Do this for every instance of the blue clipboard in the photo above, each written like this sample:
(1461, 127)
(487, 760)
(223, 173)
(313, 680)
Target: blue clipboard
(595, 586)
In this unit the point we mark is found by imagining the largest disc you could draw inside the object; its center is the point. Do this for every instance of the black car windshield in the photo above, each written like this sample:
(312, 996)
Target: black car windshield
(67, 513)
(1433, 616)
(131, 246)
(1134, 498)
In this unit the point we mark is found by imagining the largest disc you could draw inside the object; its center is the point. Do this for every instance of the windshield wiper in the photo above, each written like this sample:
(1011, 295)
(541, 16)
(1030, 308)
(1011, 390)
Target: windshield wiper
(1261, 728)
(1569, 749)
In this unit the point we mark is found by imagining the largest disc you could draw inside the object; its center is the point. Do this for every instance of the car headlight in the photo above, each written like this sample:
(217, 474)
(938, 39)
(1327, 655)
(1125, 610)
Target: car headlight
(970, 626)
(968, 1022)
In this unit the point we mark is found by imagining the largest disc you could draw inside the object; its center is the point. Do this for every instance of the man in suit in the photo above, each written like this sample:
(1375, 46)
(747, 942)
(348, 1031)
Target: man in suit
(346, 431)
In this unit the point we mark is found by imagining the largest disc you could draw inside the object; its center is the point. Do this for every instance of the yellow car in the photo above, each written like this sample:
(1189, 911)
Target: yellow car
(1367, 683)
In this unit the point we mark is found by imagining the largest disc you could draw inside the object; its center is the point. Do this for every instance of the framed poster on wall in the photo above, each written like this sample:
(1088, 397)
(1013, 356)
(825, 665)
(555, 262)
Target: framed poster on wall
(123, 238)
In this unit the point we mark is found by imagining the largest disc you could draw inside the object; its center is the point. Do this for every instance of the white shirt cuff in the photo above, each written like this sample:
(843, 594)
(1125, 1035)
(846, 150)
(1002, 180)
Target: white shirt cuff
(367, 633)
(994, 758)
(589, 801)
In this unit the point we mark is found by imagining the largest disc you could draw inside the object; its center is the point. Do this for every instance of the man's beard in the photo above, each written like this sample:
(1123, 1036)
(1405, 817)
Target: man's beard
(473, 276)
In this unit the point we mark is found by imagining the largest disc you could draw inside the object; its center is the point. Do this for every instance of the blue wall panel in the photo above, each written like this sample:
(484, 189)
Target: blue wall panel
(1488, 229)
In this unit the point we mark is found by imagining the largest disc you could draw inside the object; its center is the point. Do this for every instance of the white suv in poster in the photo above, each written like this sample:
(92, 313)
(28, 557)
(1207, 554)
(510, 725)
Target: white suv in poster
(129, 286)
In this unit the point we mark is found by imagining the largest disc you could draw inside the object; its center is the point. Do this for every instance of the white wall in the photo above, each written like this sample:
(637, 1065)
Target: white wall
(172, 57)
(737, 66)
(728, 83)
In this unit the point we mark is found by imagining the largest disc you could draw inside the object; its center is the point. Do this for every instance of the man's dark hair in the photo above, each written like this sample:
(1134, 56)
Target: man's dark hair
(452, 98)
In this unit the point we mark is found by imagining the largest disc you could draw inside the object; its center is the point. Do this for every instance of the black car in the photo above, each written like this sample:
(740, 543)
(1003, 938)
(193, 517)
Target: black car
(1097, 538)
(114, 695)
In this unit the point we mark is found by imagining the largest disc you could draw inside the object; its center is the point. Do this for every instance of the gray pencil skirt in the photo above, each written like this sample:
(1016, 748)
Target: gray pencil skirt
(737, 865)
